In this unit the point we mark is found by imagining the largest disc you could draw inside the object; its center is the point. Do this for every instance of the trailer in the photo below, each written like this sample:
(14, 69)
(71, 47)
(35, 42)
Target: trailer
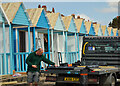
(99, 65)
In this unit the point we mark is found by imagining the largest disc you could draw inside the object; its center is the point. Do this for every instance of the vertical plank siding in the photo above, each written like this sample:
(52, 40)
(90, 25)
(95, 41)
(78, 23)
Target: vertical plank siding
(43, 22)
(21, 17)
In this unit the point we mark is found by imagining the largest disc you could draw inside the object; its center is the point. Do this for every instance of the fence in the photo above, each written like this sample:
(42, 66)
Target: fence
(71, 57)
(20, 61)
(4, 64)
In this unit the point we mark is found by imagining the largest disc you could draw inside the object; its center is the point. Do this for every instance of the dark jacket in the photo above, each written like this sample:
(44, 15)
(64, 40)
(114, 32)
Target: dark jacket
(34, 59)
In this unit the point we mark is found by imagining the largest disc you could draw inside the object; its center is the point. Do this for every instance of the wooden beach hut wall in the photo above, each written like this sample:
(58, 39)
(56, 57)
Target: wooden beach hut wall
(115, 32)
(81, 31)
(110, 31)
(89, 28)
(98, 30)
(3, 43)
(104, 30)
(16, 16)
(70, 39)
(41, 30)
(57, 37)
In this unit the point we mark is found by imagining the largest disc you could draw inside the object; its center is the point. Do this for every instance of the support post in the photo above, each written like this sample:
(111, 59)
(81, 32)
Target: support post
(10, 41)
(66, 47)
(78, 46)
(48, 44)
(63, 47)
(18, 40)
(34, 41)
(29, 44)
(52, 45)
(75, 47)
(4, 45)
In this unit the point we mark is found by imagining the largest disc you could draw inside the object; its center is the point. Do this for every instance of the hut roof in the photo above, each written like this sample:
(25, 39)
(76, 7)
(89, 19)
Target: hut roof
(53, 18)
(103, 29)
(96, 28)
(67, 20)
(109, 30)
(78, 23)
(11, 9)
(34, 15)
(88, 25)
(114, 31)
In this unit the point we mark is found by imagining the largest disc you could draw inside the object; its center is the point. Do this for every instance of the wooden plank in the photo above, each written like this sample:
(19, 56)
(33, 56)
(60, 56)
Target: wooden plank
(78, 23)
(8, 83)
(11, 9)
(67, 21)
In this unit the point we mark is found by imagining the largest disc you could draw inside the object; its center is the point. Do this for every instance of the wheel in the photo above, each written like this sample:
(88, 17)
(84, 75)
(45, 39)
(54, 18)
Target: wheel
(107, 81)
(112, 81)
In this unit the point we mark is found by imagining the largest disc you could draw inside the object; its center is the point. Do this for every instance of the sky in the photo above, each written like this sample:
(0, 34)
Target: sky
(100, 11)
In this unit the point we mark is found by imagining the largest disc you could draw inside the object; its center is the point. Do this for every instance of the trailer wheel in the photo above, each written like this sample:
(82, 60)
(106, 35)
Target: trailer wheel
(112, 81)
(107, 81)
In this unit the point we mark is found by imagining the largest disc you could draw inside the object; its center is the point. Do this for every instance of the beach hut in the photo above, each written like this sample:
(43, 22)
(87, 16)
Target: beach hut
(98, 30)
(70, 39)
(81, 31)
(57, 37)
(104, 30)
(110, 31)
(16, 16)
(41, 30)
(89, 28)
(3, 41)
(115, 32)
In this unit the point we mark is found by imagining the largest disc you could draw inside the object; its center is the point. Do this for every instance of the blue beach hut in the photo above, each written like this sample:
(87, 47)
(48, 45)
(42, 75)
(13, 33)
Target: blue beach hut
(110, 31)
(104, 30)
(57, 37)
(98, 30)
(81, 31)
(70, 39)
(115, 31)
(89, 28)
(15, 16)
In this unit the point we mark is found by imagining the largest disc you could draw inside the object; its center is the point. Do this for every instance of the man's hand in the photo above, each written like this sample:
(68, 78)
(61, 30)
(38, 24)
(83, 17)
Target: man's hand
(34, 66)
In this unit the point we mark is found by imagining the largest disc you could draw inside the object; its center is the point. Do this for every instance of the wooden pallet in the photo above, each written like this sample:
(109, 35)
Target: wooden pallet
(10, 80)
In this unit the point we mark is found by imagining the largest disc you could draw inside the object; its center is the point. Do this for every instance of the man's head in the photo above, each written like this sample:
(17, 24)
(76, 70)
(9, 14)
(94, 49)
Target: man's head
(39, 51)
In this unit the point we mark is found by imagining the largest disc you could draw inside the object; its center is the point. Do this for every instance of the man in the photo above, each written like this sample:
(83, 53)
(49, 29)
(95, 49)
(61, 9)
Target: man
(33, 61)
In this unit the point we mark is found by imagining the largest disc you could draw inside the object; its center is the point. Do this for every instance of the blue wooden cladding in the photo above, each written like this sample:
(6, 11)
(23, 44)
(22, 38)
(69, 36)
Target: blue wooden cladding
(21, 17)
(59, 24)
(42, 22)
(1, 17)
(100, 32)
(106, 32)
(3, 59)
(72, 27)
(92, 31)
(83, 29)
(117, 33)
